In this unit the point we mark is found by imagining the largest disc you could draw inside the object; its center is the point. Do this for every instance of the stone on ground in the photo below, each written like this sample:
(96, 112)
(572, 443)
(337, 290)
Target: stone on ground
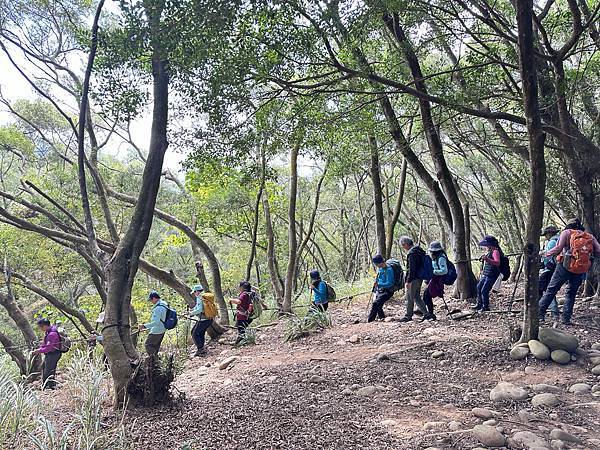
(558, 339)
(561, 435)
(596, 346)
(527, 439)
(437, 354)
(227, 362)
(483, 413)
(526, 416)
(546, 399)
(507, 391)
(596, 370)
(580, 388)
(489, 436)
(540, 388)
(317, 379)
(454, 425)
(595, 360)
(539, 350)
(490, 422)
(518, 353)
(367, 391)
(436, 425)
(354, 339)
(560, 357)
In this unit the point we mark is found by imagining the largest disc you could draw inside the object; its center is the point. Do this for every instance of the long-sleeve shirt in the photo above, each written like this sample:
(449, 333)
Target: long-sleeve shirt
(564, 242)
(548, 262)
(51, 341)
(198, 309)
(414, 261)
(244, 308)
(440, 265)
(157, 319)
(320, 293)
(385, 277)
(493, 258)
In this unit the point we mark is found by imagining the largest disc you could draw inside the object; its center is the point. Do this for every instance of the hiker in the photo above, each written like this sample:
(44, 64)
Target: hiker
(50, 348)
(435, 288)
(574, 250)
(156, 326)
(418, 269)
(202, 321)
(548, 265)
(383, 288)
(243, 310)
(319, 292)
(490, 272)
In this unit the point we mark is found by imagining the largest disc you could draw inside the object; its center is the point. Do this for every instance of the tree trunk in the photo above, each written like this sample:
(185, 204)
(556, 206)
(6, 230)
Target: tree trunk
(393, 221)
(292, 236)
(527, 63)
(16, 354)
(276, 281)
(256, 220)
(377, 196)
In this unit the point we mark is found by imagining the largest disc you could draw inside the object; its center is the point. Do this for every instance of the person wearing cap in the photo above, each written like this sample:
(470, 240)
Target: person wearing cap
(50, 348)
(319, 291)
(548, 265)
(244, 309)
(156, 326)
(413, 279)
(435, 288)
(383, 288)
(562, 274)
(202, 322)
(490, 273)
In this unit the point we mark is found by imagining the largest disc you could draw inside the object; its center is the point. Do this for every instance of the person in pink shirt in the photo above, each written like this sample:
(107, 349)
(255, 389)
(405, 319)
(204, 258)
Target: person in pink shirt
(572, 266)
(491, 272)
(50, 348)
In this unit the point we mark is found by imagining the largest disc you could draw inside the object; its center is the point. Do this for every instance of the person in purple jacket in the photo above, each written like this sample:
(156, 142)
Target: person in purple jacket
(50, 348)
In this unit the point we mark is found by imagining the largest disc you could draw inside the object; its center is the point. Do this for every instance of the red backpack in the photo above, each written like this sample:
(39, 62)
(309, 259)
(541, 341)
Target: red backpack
(578, 258)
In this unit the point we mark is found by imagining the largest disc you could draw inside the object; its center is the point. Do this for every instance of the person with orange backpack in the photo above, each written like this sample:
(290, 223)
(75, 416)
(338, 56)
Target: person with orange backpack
(203, 314)
(575, 251)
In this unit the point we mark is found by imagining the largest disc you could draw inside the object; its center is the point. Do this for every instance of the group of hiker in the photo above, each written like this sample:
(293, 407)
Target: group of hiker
(565, 259)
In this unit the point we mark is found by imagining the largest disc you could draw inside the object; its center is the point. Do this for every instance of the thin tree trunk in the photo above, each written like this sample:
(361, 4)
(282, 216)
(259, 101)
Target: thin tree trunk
(292, 236)
(377, 196)
(271, 255)
(393, 221)
(527, 63)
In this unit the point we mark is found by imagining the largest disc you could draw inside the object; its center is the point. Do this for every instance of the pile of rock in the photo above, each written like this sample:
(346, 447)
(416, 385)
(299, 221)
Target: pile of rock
(595, 358)
(557, 345)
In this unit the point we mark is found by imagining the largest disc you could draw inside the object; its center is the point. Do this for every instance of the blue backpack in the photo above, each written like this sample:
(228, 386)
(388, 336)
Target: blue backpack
(452, 275)
(171, 319)
(425, 272)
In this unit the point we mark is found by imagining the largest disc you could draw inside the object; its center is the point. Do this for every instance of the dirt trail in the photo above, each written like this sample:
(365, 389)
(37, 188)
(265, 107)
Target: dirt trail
(306, 394)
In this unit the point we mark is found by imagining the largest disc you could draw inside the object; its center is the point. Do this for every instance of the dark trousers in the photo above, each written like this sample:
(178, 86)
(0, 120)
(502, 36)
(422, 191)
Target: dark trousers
(319, 306)
(560, 277)
(428, 300)
(49, 370)
(199, 332)
(545, 278)
(483, 291)
(381, 297)
(152, 343)
(241, 327)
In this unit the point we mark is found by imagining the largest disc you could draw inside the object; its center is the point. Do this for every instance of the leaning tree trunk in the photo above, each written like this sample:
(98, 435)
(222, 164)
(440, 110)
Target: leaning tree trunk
(124, 263)
(524, 9)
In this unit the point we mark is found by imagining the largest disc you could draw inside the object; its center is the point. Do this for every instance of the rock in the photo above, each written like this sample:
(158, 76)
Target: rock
(507, 391)
(528, 439)
(355, 387)
(560, 356)
(596, 370)
(227, 362)
(557, 445)
(367, 391)
(489, 436)
(490, 423)
(580, 388)
(482, 413)
(526, 416)
(454, 425)
(317, 379)
(558, 340)
(546, 399)
(354, 339)
(433, 425)
(595, 360)
(437, 354)
(539, 350)
(596, 346)
(388, 319)
(540, 388)
(389, 423)
(347, 392)
(383, 357)
(561, 435)
(518, 353)
(596, 388)
(529, 370)
(272, 378)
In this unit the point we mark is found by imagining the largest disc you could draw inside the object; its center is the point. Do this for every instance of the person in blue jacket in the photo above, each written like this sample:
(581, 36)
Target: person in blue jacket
(156, 326)
(319, 291)
(202, 322)
(435, 288)
(383, 289)
(547, 267)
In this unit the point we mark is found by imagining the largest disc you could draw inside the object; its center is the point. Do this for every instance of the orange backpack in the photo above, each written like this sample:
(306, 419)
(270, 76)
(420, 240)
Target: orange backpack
(578, 258)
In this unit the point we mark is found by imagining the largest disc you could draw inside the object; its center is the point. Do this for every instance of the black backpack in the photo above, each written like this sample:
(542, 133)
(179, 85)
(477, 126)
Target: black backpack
(398, 274)
(331, 295)
(171, 318)
(504, 267)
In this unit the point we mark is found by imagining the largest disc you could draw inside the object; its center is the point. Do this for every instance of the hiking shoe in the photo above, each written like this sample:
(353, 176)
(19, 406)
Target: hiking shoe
(477, 307)
(405, 319)
(200, 352)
